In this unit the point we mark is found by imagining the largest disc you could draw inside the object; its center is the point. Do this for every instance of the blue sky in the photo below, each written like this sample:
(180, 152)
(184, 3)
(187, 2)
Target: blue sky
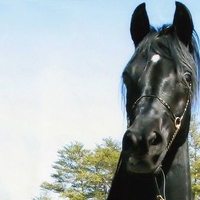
(60, 69)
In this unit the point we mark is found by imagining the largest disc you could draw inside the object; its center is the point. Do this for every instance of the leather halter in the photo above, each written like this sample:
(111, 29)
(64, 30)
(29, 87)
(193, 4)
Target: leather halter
(177, 123)
(176, 119)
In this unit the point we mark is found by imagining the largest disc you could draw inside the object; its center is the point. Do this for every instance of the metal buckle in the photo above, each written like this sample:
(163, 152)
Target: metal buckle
(159, 197)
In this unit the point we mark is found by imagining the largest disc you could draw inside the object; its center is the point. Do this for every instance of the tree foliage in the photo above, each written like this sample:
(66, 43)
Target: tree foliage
(194, 147)
(84, 174)
(43, 196)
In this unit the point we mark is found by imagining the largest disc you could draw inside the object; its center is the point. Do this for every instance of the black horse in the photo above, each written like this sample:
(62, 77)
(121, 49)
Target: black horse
(160, 81)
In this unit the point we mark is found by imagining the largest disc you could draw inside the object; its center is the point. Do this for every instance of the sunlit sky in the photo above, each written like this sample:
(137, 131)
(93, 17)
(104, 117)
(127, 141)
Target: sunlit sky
(60, 77)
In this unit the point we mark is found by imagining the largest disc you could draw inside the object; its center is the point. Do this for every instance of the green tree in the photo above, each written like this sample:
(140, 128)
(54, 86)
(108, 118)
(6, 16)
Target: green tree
(70, 166)
(84, 174)
(103, 163)
(194, 147)
(43, 196)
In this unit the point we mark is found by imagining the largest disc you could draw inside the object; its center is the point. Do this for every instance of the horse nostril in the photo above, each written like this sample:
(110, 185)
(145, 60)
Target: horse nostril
(129, 141)
(155, 139)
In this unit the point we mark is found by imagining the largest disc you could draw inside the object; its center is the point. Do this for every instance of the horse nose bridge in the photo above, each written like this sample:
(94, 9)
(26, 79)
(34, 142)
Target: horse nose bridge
(146, 122)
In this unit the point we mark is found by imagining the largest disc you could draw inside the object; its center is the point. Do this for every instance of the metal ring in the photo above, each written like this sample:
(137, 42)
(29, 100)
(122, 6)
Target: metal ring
(177, 122)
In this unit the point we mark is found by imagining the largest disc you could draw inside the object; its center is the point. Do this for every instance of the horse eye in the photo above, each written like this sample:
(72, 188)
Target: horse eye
(188, 77)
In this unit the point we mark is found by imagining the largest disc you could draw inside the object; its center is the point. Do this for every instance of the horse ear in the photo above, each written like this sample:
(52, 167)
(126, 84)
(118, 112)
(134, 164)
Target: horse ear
(183, 24)
(140, 26)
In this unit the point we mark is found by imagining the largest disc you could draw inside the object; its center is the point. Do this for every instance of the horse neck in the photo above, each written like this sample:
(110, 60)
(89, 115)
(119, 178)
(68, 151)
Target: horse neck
(129, 187)
(178, 184)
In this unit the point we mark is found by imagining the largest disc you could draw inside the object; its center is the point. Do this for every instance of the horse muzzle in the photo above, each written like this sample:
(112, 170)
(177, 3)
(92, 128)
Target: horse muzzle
(143, 146)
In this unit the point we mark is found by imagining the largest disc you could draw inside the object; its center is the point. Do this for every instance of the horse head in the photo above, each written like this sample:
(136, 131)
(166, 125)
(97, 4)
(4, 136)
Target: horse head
(160, 80)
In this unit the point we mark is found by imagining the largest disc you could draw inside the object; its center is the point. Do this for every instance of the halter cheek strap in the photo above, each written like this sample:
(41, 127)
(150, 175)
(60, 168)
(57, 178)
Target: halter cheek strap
(177, 123)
